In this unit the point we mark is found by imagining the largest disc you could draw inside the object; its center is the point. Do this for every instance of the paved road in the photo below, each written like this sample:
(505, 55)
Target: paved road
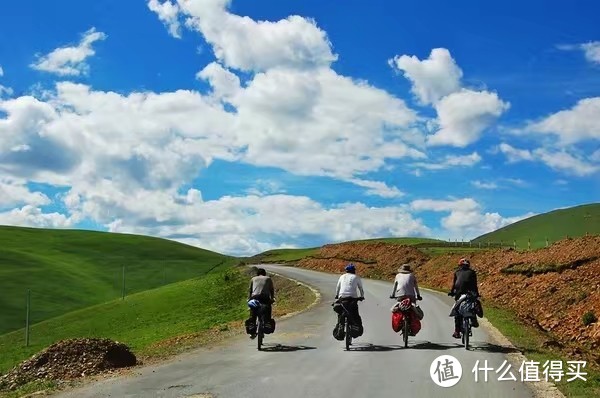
(304, 360)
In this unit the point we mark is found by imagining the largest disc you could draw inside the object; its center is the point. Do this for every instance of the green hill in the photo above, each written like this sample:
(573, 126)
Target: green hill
(555, 225)
(141, 319)
(69, 269)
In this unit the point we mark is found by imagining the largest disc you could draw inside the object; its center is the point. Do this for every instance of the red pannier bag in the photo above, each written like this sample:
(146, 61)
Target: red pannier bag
(396, 321)
(415, 325)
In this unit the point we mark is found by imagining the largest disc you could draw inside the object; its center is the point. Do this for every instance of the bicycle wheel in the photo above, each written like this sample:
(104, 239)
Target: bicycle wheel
(466, 332)
(405, 331)
(260, 333)
(348, 335)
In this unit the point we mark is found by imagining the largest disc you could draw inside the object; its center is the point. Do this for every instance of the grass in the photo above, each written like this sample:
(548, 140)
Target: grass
(530, 341)
(141, 319)
(439, 251)
(68, 269)
(531, 269)
(555, 225)
(400, 241)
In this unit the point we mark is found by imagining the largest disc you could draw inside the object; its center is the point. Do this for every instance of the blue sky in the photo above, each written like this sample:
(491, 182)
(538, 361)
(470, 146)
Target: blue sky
(241, 125)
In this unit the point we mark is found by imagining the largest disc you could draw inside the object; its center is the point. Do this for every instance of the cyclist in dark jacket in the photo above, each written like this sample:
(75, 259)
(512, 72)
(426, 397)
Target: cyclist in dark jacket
(263, 290)
(465, 280)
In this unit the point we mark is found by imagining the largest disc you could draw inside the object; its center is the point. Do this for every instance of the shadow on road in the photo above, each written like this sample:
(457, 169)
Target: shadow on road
(375, 347)
(487, 347)
(285, 348)
(428, 345)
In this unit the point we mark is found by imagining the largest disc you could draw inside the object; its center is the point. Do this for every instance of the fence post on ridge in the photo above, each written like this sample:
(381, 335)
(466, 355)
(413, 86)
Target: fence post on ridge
(27, 318)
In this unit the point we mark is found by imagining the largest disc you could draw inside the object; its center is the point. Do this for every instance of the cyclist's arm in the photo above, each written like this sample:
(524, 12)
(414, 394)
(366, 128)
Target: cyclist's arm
(271, 289)
(250, 291)
(453, 284)
(360, 287)
(416, 286)
(337, 288)
(394, 288)
(475, 287)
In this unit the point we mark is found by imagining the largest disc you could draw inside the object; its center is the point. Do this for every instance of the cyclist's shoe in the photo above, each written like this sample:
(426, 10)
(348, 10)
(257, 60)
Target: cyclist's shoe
(474, 322)
(252, 336)
(456, 334)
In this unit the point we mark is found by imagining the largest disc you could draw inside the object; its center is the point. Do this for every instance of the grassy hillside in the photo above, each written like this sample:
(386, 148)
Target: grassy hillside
(68, 270)
(555, 225)
(148, 321)
(142, 318)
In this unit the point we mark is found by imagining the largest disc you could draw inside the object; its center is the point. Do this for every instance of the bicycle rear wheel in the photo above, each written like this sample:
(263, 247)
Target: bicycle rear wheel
(405, 331)
(466, 332)
(260, 333)
(348, 335)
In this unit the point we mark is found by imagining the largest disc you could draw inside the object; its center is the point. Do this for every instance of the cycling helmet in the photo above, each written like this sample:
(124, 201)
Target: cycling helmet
(464, 261)
(350, 268)
(405, 305)
(254, 303)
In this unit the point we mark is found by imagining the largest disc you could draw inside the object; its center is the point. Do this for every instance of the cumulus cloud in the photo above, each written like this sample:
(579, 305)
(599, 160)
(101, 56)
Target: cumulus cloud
(70, 60)
(484, 185)
(15, 192)
(451, 161)
(432, 78)
(560, 160)
(463, 114)
(466, 218)
(577, 124)
(378, 188)
(243, 225)
(168, 13)
(249, 45)
(591, 50)
(31, 216)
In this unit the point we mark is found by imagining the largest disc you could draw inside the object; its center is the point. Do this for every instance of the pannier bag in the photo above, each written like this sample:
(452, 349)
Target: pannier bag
(269, 326)
(338, 332)
(397, 321)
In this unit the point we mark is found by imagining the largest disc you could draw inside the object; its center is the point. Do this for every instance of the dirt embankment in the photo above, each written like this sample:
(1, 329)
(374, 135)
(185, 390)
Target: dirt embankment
(550, 288)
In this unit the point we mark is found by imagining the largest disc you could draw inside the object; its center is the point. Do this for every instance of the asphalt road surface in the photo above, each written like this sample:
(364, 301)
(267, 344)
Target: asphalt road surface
(302, 359)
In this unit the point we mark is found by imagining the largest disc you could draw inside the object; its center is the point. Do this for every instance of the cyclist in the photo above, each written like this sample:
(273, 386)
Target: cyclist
(346, 288)
(405, 285)
(465, 280)
(263, 290)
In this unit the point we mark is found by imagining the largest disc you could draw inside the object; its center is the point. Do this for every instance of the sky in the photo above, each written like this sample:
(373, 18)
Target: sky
(241, 126)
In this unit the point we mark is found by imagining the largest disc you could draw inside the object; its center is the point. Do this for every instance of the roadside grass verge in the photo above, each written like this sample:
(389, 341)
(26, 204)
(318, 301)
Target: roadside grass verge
(530, 341)
(157, 323)
(67, 270)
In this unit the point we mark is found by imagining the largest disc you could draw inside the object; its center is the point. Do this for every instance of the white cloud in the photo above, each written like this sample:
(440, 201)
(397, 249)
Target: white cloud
(574, 125)
(484, 185)
(245, 44)
(595, 157)
(225, 84)
(378, 188)
(592, 51)
(14, 192)
(464, 115)
(560, 160)
(514, 154)
(168, 13)
(563, 161)
(1, 71)
(451, 161)
(265, 187)
(70, 61)
(245, 225)
(466, 218)
(31, 216)
(432, 78)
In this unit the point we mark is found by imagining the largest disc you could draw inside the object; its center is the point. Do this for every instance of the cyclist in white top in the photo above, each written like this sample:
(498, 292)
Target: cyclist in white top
(348, 284)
